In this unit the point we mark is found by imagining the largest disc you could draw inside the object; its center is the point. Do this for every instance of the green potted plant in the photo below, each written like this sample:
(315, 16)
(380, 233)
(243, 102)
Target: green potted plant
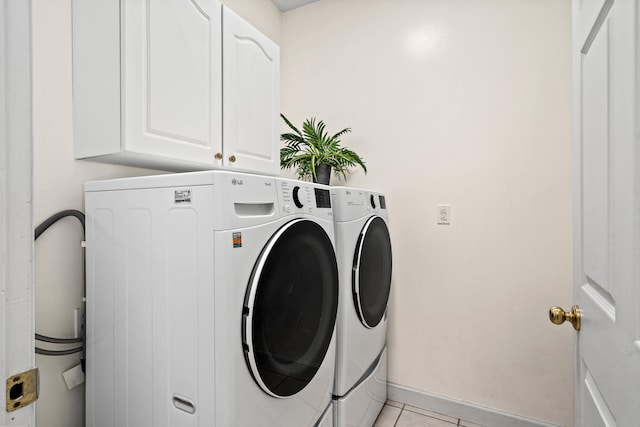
(313, 152)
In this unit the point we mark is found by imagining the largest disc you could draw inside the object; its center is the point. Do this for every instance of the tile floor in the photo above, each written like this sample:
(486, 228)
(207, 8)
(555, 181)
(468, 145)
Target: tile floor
(396, 414)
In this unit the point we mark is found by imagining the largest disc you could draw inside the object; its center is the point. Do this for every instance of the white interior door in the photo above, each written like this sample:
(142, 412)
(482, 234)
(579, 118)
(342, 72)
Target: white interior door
(607, 212)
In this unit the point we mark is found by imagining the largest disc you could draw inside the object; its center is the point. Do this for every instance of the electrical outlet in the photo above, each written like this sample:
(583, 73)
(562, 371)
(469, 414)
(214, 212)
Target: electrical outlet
(444, 214)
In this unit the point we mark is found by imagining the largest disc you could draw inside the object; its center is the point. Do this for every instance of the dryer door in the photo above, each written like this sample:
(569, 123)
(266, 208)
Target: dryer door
(290, 308)
(371, 277)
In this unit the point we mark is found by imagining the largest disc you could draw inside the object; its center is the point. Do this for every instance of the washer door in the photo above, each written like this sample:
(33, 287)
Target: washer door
(290, 308)
(371, 277)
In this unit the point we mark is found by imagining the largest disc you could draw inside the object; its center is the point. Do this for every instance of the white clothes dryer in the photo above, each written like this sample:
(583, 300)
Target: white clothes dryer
(364, 265)
(211, 301)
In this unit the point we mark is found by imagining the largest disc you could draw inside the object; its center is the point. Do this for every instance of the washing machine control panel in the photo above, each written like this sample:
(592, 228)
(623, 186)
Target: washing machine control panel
(297, 196)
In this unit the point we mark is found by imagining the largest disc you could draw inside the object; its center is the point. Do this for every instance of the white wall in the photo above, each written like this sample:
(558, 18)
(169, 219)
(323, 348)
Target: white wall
(463, 102)
(58, 185)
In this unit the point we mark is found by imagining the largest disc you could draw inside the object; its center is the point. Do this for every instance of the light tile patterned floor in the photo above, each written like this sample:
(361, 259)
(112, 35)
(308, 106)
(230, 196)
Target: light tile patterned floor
(396, 414)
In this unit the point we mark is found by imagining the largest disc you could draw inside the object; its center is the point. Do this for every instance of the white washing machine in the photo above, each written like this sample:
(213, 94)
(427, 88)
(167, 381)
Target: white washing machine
(211, 301)
(364, 265)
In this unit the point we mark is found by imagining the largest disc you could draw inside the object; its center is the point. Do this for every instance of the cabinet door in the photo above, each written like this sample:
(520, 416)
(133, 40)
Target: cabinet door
(251, 97)
(172, 91)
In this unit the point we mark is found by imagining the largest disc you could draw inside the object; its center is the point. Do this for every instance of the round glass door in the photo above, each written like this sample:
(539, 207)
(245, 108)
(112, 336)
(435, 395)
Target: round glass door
(290, 308)
(372, 272)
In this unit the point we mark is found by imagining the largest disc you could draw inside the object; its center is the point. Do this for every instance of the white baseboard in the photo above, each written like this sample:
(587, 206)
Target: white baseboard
(457, 408)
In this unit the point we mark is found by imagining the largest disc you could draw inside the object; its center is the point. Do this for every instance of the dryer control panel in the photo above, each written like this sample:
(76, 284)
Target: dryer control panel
(352, 203)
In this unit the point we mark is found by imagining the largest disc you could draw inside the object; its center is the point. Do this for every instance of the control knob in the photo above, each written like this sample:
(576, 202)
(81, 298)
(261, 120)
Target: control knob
(296, 198)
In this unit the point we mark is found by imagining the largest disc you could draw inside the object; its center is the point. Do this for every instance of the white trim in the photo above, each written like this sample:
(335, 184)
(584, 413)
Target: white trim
(459, 409)
(17, 322)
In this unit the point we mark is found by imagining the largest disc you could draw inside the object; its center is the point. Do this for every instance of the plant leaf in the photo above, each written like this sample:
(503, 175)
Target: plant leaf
(314, 146)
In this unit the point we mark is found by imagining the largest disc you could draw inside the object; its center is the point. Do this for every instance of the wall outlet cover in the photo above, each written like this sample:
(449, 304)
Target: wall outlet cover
(444, 214)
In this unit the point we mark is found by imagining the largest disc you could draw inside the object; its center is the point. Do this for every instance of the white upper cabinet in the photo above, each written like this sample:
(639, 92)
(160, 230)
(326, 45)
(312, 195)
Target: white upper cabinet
(251, 97)
(148, 87)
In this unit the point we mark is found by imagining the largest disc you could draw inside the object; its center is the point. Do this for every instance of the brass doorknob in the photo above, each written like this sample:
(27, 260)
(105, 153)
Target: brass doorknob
(232, 159)
(218, 156)
(557, 316)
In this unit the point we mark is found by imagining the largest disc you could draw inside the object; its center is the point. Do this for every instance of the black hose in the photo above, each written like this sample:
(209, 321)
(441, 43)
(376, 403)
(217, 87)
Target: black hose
(38, 231)
(58, 340)
(56, 217)
(58, 352)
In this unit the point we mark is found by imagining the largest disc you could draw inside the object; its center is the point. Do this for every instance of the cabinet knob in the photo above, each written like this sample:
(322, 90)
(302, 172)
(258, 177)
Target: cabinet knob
(218, 156)
(232, 159)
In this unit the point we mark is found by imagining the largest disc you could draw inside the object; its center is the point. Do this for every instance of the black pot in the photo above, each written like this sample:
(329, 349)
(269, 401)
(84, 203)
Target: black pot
(323, 174)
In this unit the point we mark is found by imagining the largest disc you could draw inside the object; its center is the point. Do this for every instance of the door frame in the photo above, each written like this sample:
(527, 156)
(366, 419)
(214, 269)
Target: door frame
(17, 293)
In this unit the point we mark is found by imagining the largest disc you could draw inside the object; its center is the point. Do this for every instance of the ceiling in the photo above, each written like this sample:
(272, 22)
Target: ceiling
(285, 5)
